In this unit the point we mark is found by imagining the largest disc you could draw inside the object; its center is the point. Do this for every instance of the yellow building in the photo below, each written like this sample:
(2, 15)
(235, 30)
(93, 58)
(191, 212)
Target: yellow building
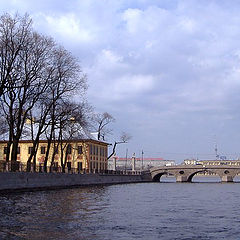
(84, 154)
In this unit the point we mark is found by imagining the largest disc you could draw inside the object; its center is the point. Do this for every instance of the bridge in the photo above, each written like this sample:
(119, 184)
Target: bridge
(185, 173)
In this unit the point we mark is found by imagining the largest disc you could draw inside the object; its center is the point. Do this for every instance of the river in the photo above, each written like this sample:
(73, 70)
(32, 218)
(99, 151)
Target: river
(148, 211)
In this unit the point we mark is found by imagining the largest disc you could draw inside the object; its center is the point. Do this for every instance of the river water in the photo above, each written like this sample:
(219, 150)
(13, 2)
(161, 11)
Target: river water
(200, 210)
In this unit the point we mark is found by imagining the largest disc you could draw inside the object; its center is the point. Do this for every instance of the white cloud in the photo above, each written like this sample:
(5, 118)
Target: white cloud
(129, 85)
(69, 26)
(188, 24)
(132, 18)
(108, 57)
(168, 62)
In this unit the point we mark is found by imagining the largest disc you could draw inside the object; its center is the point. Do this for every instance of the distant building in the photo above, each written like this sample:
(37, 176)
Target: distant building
(212, 162)
(219, 162)
(145, 163)
(190, 161)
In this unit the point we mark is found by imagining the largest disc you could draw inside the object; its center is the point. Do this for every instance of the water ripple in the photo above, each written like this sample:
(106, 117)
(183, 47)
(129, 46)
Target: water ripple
(149, 211)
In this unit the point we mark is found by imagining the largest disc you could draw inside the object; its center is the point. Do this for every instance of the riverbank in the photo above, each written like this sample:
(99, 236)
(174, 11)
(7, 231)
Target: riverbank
(27, 181)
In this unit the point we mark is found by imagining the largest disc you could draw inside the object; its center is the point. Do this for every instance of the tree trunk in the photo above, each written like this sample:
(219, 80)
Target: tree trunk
(14, 150)
(113, 151)
(49, 142)
(33, 153)
(98, 137)
(62, 162)
(8, 150)
(54, 154)
(35, 156)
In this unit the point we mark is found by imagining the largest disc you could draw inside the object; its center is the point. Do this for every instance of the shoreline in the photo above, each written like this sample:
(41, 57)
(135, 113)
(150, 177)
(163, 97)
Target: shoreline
(25, 181)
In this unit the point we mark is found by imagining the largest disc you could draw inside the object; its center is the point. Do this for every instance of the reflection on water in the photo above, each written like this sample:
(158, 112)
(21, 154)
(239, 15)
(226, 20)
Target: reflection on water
(133, 211)
(40, 214)
(198, 179)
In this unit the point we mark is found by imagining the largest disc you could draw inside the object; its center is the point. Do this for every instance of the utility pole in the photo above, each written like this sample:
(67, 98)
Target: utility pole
(216, 149)
(216, 152)
(126, 159)
(133, 162)
(114, 162)
(142, 159)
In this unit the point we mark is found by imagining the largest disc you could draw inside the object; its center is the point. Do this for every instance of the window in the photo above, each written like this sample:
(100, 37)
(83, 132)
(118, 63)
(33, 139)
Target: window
(90, 149)
(30, 150)
(56, 150)
(55, 164)
(79, 149)
(80, 166)
(105, 152)
(96, 150)
(43, 150)
(91, 165)
(69, 149)
(69, 165)
(5, 150)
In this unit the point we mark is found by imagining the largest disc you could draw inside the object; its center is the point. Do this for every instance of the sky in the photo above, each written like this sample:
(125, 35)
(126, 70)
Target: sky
(167, 70)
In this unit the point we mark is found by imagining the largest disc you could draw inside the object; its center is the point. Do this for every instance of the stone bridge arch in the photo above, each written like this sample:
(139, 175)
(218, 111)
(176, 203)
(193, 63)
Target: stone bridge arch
(192, 175)
(185, 173)
(157, 177)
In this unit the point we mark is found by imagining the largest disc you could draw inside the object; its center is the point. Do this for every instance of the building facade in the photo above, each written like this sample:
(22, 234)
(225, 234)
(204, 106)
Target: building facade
(219, 162)
(140, 164)
(212, 162)
(84, 154)
(190, 161)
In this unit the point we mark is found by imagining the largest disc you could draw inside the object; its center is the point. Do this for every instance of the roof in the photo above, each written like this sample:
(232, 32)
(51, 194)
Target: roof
(79, 134)
(70, 141)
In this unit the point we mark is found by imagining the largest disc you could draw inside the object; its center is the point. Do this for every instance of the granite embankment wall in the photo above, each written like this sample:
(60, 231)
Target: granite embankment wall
(22, 181)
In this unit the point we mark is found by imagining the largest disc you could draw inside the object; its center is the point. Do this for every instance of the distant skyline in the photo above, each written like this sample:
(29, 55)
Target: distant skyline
(168, 71)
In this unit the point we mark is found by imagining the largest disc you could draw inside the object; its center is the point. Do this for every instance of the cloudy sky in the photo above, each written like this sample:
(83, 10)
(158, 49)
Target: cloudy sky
(167, 70)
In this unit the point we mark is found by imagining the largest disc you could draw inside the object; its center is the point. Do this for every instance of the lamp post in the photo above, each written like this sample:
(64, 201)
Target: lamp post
(114, 162)
(126, 160)
(133, 162)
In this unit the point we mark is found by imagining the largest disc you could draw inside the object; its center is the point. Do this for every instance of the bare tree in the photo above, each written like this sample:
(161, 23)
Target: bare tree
(3, 125)
(102, 120)
(28, 78)
(13, 36)
(68, 80)
(72, 119)
(35, 73)
(124, 138)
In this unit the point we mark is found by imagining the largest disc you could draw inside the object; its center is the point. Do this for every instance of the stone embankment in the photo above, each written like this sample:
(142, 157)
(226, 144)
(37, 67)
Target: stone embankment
(27, 181)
